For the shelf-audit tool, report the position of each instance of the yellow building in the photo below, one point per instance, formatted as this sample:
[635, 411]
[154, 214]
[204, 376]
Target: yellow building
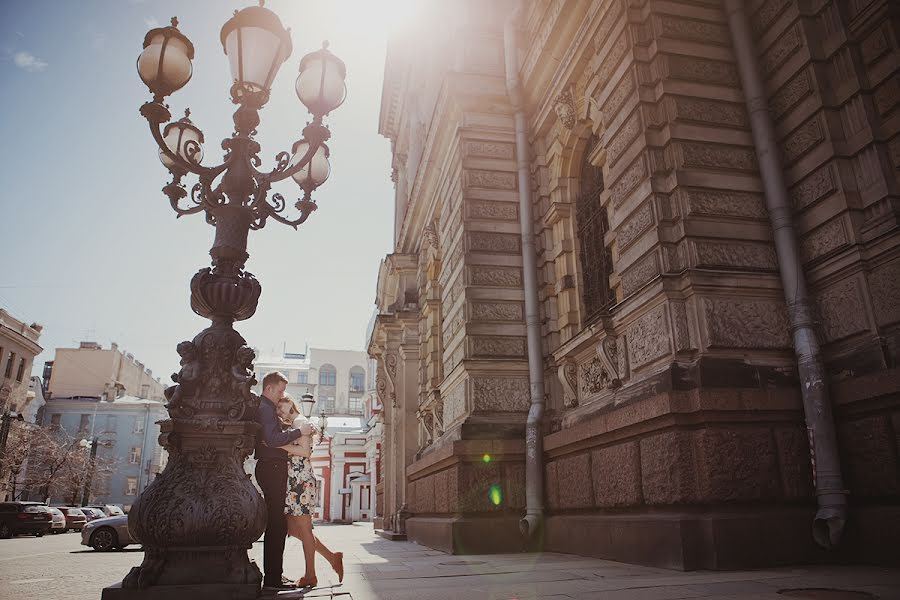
[92, 371]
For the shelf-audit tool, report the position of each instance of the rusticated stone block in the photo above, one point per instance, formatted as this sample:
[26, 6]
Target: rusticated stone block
[884, 285]
[793, 462]
[424, 495]
[475, 481]
[616, 473]
[411, 494]
[736, 465]
[870, 461]
[574, 474]
[668, 474]
[551, 485]
[441, 495]
[514, 485]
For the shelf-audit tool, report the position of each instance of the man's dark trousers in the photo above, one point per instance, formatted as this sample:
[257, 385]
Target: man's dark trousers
[272, 477]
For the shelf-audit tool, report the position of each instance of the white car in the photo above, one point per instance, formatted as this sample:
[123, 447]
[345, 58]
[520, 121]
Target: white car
[58, 524]
[109, 533]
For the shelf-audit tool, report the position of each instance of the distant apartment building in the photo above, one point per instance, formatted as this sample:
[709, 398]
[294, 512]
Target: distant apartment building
[91, 370]
[108, 397]
[126, 433]
[18, 347]
[336, 378]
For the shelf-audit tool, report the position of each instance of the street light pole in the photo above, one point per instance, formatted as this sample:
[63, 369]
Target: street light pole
[86, 493]
[197, 519]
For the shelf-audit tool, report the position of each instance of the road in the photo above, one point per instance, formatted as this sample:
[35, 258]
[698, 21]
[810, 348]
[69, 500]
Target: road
[58, 566]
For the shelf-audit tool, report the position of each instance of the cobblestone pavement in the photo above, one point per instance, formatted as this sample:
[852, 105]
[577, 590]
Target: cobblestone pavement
[58, 567]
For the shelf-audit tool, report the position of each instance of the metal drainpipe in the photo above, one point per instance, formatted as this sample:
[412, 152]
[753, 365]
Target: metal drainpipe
[831, 495]
[534, 460]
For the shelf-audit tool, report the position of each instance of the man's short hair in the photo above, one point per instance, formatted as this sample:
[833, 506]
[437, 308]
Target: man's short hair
[274, 378]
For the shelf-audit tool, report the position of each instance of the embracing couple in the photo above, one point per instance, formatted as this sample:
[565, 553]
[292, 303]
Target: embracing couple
[285, 474]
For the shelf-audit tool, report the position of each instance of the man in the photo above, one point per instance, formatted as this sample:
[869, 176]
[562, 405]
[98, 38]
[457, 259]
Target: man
[272, 474]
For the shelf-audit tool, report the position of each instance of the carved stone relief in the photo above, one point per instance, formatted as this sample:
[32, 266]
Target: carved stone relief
[496, 276]
[741, 256]
[634, 226]
[630, 179]
[507, 394]
[818, 185]
[884, 286]
[496, 180]
[568, 378]
[487, 149]
[496, 346]
[703, 70]
[710, 156]
[680, 330]
[497, 311]
[802, 140]
[791, 94]
[564, 106]
[724, 202]
[761, 324]
[483, 209]
[842, 310]
[823, 240]
[648, 338]
[641, 272]
[455, 404]
[781, 50]
[485, 241]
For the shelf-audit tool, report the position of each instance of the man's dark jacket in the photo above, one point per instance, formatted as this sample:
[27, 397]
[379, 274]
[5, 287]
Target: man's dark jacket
[271, 436]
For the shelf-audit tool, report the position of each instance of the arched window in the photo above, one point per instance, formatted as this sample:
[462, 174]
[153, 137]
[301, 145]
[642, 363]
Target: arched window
[327, 375]
[592, 224]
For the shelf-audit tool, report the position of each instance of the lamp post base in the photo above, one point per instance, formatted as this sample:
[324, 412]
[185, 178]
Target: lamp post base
[211, 591]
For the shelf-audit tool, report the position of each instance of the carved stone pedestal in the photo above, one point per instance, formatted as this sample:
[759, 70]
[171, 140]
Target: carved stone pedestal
[197, 520]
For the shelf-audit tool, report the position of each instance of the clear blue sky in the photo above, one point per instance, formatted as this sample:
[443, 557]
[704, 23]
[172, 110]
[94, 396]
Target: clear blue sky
[91, 248]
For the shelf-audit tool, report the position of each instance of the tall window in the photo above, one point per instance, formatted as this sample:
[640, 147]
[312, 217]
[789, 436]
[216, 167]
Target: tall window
[138, 425]
[84, 424]
[21, 372]
[54, 420]
[302, 377]
[356, 405]
[592, 223]
[357, 380]
[9, 365]
[327, 375]
[134, 457]
[131, 487]
[326, 404]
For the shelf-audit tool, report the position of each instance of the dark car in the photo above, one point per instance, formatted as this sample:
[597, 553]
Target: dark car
[24, 517]
[75, 519]
[91, 513]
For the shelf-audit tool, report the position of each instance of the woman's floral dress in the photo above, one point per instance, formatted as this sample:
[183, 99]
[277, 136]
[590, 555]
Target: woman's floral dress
[301, 493]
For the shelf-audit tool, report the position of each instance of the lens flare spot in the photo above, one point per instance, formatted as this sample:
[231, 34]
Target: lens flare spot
[486, 458]
[495, 495]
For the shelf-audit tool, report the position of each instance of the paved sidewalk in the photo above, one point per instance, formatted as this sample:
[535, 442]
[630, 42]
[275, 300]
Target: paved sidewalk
[377, 569]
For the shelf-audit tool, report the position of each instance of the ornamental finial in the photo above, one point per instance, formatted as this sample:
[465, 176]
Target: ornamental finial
[325, 44]
[187, 113]
[174, 22]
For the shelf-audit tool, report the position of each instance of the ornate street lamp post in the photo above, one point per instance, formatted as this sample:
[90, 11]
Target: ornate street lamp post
[201, 514]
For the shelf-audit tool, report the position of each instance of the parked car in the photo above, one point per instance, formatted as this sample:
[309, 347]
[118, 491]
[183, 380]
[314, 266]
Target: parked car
[93, 513]
[24, 517]
[110, 510]
[75, 519]
[107, 534]
[58, 522]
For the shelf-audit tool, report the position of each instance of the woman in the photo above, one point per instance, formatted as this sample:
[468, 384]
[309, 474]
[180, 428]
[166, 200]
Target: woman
[301, 495]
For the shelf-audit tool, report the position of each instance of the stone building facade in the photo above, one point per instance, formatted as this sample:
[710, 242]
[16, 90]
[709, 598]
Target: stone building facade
[91, 370]
[674, 433]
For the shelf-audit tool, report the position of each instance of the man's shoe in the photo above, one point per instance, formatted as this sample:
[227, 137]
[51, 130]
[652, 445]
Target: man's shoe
[286, 584]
